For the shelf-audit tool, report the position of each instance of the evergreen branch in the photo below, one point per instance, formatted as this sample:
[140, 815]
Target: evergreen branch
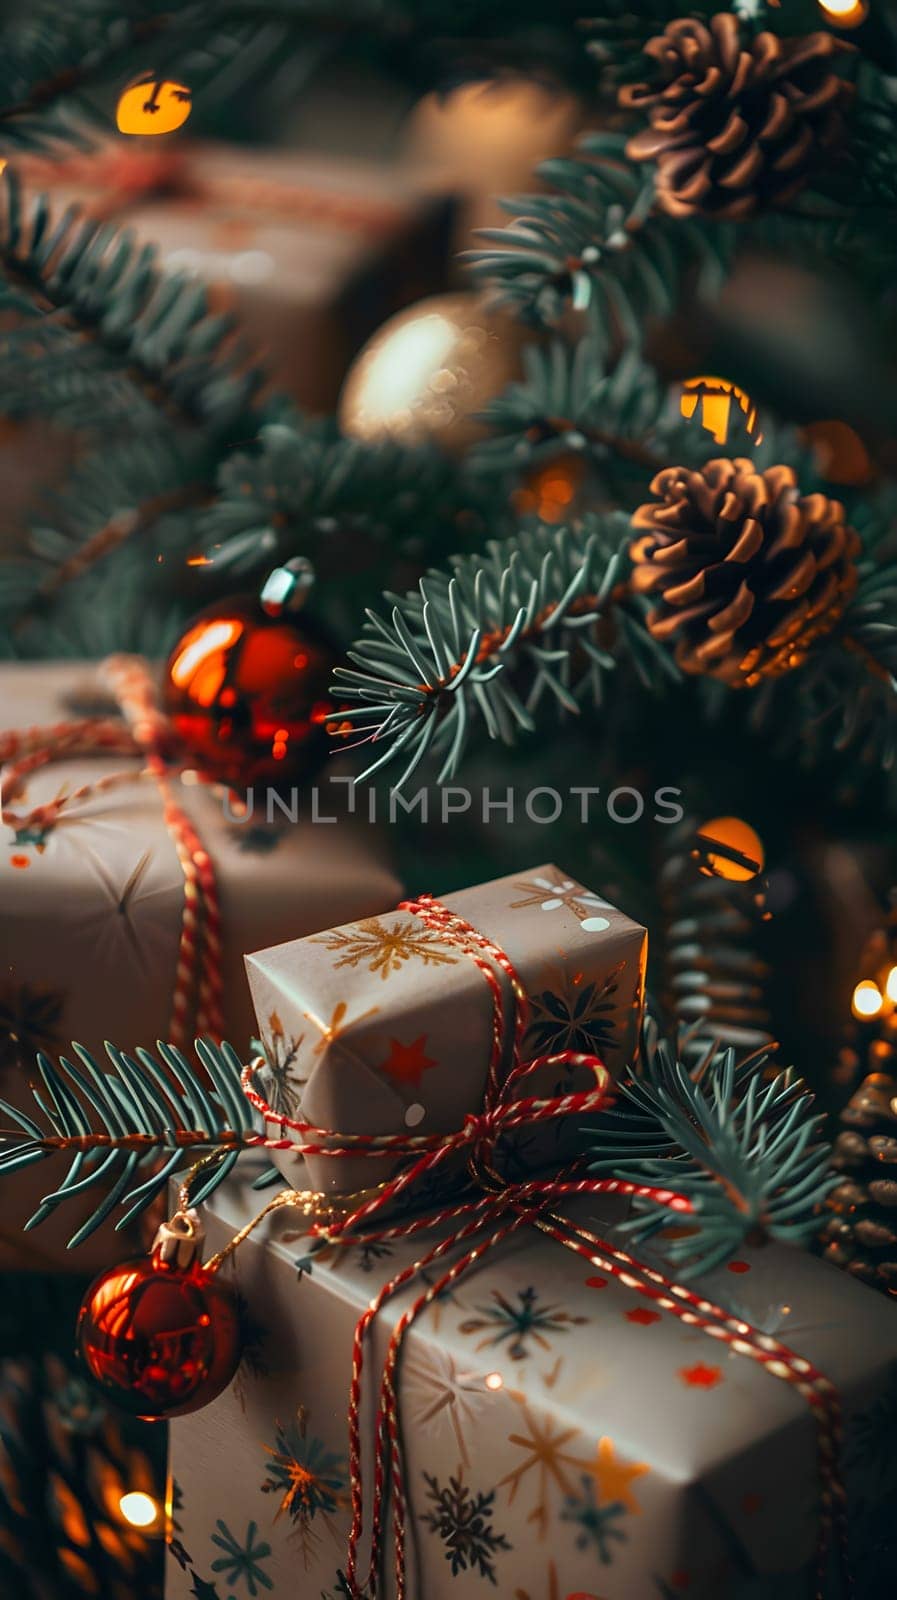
[844, 699]
[619, 415]
[301, 487]
[123, 525]
[487, 641]
[745, 1148]
[104, 35]
[595, 244]
[144, 1114]
[153, 327]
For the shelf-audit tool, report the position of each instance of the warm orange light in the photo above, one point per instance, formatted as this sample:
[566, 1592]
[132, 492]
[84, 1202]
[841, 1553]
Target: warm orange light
[549, 491]
[715, 396]
[867, 999]
[845, 13]
[891, 985]
[153, 105]
[731, 834]
[139, 1509]
[840, 452]
[199, 650]
[495, 1381]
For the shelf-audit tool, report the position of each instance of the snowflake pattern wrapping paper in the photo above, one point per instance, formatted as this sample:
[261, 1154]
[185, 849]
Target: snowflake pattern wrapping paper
[557, 1445]
[380, 1026]
[90, 913]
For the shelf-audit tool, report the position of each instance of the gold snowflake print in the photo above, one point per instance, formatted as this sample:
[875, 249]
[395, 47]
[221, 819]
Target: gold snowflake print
[547, 1457]
[383, 948]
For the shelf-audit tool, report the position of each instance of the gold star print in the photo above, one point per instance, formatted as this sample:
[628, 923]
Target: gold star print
[407, 1063]
[613, 1476]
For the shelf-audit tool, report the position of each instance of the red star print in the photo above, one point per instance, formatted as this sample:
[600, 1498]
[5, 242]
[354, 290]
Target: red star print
[596, 1283]
[739, 1266]
[642, 1316]
[701, 1376]
[407, 1063]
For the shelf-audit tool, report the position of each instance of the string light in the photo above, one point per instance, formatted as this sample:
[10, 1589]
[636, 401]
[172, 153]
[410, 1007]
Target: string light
[730, 848]
[845, 13]
[139, 1509]
[867, 999]
[153, 105]
[494, 1381]
[891, 985]
[715, 396]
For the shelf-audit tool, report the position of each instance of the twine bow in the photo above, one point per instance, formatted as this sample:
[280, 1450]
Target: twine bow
[499, 1207]
[145, 732]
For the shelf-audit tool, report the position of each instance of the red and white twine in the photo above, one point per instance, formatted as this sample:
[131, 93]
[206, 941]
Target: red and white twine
[477, 1225]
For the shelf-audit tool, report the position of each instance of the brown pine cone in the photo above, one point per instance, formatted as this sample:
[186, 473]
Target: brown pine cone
[745, 571]
[736, 124]
[860, 1228]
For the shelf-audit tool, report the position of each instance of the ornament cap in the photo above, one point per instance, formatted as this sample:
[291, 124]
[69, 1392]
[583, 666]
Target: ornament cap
[287, 587]
[179, 1241]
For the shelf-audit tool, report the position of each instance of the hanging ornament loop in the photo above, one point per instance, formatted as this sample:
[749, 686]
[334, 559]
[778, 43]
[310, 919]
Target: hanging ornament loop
[493, 1208]
[178, 1242]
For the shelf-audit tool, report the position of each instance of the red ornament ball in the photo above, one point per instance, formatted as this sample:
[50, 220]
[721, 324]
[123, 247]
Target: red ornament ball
[160, 1339]
[248, 693]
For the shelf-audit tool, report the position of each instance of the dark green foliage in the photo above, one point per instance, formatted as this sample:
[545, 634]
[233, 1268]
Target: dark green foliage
[152, 328]
[490, 640]
[136, 1122]
[593, 243]
[745, 1149]
[618, 414]
[366, 516]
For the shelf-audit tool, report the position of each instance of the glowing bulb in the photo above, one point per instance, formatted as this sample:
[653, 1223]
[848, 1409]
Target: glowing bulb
[891, 985]
[138, 1508]
[494, 1381]
[715, 396]
[867, 999]
[720, 837]
[845, 13]
[153, 105]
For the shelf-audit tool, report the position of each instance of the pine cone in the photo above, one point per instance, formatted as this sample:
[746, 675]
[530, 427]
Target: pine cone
[860, 1232]
[736, 124]
[745, 570]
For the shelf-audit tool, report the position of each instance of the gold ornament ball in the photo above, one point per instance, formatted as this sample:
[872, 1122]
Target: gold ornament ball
[428, 372]
[484, 139]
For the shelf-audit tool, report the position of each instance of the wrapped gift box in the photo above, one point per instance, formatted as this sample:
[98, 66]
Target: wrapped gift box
[380, 1025]
[563, 1440]
[312, 253]
[90, 916]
